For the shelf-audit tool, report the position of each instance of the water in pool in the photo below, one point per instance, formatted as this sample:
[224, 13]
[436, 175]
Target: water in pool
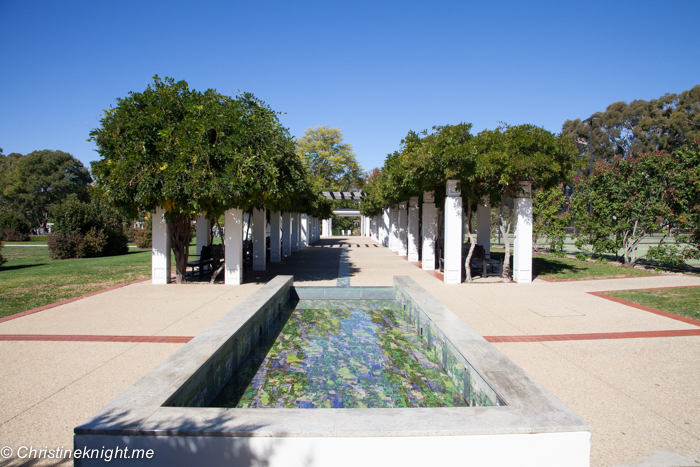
[341, 357]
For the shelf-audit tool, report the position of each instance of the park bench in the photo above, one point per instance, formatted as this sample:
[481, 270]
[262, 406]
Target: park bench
[205, 259]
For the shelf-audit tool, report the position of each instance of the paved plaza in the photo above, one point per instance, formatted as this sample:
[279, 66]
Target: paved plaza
[632, 374]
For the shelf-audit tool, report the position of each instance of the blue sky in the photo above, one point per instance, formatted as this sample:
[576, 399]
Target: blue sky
[373, 69]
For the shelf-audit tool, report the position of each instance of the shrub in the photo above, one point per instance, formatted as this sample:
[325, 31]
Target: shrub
[65, 246]
[580, 257]
[13, 226]
[143, 238]
[12, 235]
[2, 260]
[94, 242]
[88, 229]
[12, 220]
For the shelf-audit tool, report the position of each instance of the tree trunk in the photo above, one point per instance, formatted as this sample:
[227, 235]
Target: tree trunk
[472, 243]
[216, 273]
[505, 274]
[180, 230]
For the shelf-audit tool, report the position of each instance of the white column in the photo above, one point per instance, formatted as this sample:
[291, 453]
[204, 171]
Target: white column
[295, 232]
[384, 227]
[160, 252]
[402, 229]
[305, 234]
[259, 240]
[428, 230]
[453, 234]
[393, 228]
[233, 241]
[522, 239]
[203, 232]
[275, 235]
[286, 234]
[247, 231]
[412, 232]
[483, 226]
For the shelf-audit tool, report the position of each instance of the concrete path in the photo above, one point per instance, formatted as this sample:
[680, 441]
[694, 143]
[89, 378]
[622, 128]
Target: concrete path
[640, 394]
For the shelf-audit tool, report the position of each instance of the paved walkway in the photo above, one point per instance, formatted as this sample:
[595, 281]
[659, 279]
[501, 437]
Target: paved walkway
[632, 374]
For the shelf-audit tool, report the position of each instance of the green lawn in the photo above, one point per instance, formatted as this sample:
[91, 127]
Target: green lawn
[30, 278]
[560, 269]
[683, 301]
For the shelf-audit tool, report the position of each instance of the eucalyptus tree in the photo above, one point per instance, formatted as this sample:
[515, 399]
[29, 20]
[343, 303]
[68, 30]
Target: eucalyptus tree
[509, 155]
[667, 123]
[193, 152]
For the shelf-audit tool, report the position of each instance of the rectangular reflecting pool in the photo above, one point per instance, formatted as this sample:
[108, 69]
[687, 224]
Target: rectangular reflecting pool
[342, 376]
[342, 354]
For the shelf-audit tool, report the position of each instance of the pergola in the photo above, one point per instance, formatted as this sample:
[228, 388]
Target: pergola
[396, 228]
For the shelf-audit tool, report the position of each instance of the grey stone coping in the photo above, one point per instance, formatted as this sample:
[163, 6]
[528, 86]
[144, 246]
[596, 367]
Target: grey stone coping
[140, 410]
[345, 293]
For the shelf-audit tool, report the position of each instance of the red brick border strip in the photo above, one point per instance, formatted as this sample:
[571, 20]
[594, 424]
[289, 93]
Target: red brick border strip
[69, 300]
[596, 279]
[646, 308]
[595, 336]
[95, 338]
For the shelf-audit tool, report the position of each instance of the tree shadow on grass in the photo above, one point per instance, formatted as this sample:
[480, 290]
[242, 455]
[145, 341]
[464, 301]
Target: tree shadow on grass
[543, 266]
[20, 266]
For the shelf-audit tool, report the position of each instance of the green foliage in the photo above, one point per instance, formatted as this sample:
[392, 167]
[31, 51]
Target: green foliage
[87, 230]
[2, 260]
[10, 219]
[667, 123]
[30, 184]
[331, 163]
[550, 217]
[675, 255]
[636, 196]
[193, 152]
[580, 257]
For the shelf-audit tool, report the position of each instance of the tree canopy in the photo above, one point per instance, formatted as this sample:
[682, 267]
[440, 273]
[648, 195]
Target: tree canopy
[193, 152]
[665, 124]
[30, 184]
[492, 163]
[635, 196]
[331, 163]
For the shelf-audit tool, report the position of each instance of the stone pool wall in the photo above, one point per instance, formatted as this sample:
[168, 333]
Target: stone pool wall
[530, 428]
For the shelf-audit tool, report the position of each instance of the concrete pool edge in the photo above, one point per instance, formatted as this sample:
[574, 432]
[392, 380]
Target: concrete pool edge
[140, 413]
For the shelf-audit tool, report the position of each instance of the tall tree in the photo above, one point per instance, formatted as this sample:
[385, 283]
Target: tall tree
[664, 124]
[30, 184]
[193, 152]
[331, 162]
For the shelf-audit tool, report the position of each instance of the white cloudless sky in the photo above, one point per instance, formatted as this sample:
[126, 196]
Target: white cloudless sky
[373, 69]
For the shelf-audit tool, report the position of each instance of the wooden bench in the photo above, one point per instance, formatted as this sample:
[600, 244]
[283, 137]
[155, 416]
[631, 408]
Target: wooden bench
[205, 259]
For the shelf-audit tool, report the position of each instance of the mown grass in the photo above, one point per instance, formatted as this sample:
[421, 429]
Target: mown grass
[683, 301]
[562, 269]
[30, 278]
